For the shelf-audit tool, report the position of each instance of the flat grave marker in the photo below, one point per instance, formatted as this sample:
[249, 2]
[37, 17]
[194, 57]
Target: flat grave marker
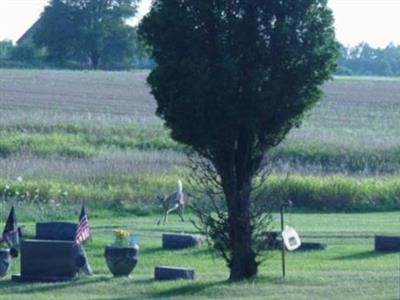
[173, 273]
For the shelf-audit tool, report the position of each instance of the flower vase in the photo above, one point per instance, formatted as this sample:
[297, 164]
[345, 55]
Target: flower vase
[121, 260]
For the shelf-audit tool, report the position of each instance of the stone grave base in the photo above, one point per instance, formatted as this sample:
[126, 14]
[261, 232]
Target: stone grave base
[172, 273]
[21, 278]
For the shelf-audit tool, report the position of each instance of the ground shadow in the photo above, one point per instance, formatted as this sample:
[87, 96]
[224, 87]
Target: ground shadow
[5, 284]
[159, 229]
[31, 287]
[196, 251]
[362, 255]
[187, 289]
[151, 250]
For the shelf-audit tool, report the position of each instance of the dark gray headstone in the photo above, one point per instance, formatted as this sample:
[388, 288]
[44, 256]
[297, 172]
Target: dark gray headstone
[61, 231]
[47, 260]
[172, 273]
[180, 241]
[387, 243]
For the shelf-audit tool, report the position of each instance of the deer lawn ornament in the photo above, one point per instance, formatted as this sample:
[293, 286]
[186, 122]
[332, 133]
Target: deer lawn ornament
[171, 203]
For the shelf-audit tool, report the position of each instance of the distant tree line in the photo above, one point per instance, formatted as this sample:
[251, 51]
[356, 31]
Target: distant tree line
[80, 34]
[366, 60]
[83, 34]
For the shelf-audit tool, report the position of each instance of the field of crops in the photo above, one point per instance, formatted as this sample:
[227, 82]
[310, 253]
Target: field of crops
[95, 135]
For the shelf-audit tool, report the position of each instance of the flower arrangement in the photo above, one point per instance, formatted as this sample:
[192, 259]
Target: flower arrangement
[122, 255]
[121, 237]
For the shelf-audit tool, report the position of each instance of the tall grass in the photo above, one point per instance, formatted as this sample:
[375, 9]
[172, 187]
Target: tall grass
[335, 193]
[74, 140]
[320, 159]
[113, 190]
[330, 193]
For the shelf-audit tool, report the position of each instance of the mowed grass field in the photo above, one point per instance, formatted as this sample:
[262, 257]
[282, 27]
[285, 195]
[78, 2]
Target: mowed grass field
[93, 136]
[347, 269]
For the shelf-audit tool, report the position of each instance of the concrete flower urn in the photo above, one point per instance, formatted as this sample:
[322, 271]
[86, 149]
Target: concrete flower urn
[121, 260]
[5, 260]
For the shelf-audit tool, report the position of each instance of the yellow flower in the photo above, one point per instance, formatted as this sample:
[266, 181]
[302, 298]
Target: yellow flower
[121, 233]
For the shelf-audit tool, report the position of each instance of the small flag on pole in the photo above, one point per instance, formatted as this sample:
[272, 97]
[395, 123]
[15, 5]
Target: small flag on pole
[83, 231]
[10, 232]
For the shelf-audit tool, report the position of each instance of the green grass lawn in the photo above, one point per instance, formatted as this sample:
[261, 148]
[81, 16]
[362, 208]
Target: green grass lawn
[348, 269]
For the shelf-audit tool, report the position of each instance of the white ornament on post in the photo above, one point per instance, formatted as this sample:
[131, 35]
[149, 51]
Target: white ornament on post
[290, 238]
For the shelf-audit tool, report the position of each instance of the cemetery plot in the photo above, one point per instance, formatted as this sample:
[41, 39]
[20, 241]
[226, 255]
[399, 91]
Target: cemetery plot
[348, 268]
[53, 255]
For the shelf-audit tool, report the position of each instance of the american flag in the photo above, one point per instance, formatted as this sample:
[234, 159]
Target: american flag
[83, 231]
[10, 232]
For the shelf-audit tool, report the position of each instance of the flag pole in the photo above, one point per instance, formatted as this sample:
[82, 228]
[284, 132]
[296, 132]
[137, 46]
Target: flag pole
[3, 202]
[283, 205]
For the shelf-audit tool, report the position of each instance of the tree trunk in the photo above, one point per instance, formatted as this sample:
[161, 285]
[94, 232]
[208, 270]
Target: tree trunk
[94, 58]
[243, 261]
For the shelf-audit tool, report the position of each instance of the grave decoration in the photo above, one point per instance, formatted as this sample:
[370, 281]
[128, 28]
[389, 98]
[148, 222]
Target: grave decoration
[9, 242]
[290, 238]
[10, 234]
[122, 255]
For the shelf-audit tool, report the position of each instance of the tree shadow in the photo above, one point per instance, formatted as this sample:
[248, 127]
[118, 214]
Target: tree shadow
[195, 250]
[168, 230]
[32, 287]
[152, 250]
[187, 289]
[362, 255]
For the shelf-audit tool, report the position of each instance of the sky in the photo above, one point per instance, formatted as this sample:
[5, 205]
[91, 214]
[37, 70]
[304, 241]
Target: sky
[376, 22]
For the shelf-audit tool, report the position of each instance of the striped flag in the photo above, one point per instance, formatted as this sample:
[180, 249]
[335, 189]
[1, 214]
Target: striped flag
[10, 232]
[83, 231]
